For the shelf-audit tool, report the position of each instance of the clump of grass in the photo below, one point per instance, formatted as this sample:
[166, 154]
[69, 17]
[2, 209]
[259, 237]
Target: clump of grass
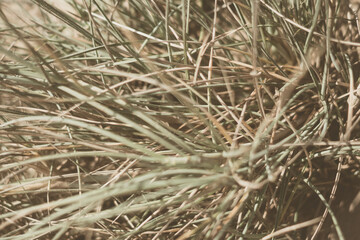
[178, 119]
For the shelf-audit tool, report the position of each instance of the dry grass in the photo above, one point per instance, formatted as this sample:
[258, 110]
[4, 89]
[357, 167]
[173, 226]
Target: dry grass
[179, 119]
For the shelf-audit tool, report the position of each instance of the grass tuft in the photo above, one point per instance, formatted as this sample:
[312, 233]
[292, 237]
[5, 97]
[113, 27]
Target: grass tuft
[178, 119]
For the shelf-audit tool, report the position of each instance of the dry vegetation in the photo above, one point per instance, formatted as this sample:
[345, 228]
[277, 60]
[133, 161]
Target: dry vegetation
[179, 119]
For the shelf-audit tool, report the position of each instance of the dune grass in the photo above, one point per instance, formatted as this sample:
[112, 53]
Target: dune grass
[178, 119]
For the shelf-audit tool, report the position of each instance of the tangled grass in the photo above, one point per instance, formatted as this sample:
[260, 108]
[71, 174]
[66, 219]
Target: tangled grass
[179, 119]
